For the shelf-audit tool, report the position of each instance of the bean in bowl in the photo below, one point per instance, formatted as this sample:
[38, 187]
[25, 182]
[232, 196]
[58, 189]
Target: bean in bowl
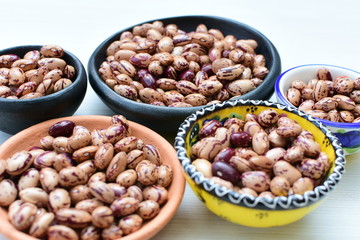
[36, 74]
[336, 100]
[265, 155]
[163, 65]
[85, 184]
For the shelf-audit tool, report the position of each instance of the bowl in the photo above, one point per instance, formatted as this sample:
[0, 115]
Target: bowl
[165, 119]
[18, 114]
[248, 210]
[348, 133]
[30, 137]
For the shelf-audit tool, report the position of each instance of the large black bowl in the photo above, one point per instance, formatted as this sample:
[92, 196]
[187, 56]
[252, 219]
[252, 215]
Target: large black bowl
[168, 119]
[18, 114]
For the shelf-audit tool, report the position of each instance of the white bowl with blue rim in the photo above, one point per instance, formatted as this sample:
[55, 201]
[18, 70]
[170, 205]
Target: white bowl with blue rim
[347, 133]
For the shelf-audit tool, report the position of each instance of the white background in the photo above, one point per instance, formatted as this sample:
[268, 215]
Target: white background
[302, 31]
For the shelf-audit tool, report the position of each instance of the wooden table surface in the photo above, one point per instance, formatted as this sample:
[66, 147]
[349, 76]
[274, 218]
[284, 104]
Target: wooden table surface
[303, 32]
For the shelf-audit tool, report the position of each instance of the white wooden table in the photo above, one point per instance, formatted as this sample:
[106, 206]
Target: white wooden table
[303, 32]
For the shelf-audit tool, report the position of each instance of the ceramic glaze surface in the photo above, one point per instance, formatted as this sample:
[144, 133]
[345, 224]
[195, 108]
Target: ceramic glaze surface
[248, 210]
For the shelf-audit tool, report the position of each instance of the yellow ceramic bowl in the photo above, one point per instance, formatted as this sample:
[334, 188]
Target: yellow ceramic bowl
[248, 210]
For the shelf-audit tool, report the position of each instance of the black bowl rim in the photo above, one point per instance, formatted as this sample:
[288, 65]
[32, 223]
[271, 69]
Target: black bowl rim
[80, 74]
[279, 202]
[286, 102]
[94, 77]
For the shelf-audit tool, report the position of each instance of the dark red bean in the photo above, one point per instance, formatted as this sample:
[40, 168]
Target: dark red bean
[241, 139]
[225, 154]
[209, 128]
[170, 72]
[187, 75]
[148, 81]
[208, 69]
[225, 171]
[63, 128]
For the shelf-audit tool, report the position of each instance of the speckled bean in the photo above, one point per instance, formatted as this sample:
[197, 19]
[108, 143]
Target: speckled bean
[18, 163]
[127, 178]
[88, 205]
[61, 232]
[102, 191]
[102, 217]
[130, 223]
[58, 199]
[259, 181]
[311, 148]
[30, 178]
[311, 168]
[146, 172]
[23, 216]
[152, 154]
[260, 142]
[112, 232]
[156, 193]
[90, 233]
[8, 192]
[72, 176]
[116, 166]
[286, 170]
[84, 153]
[124, 206]
[73, 217]
[79, 193]
[302, 185]
[148, 209]
[34, 195]
[49, 179]
[41, 224]
[279, 186]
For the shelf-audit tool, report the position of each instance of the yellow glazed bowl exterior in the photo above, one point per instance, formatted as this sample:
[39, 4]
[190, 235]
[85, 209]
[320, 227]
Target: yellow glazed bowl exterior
[247, 210]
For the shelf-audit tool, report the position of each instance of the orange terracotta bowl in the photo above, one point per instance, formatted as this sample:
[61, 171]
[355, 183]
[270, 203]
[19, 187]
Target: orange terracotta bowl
[30, 137]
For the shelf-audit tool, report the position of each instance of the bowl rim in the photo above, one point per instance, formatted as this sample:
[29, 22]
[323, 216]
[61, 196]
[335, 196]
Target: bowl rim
[168, 210]
[80, 74]
[94, 77]
[279, 202]
[283, 99]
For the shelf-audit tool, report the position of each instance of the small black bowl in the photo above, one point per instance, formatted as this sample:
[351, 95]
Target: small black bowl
[168, 119]
[18, 114]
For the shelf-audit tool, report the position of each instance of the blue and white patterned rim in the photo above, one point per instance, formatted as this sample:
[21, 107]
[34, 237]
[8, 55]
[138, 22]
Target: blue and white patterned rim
[280, 202]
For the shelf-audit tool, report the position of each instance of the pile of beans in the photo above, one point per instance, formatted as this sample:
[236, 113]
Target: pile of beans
[165, 66]
[36, 74]
[336, 100]
[84, 184]
[267, 155]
